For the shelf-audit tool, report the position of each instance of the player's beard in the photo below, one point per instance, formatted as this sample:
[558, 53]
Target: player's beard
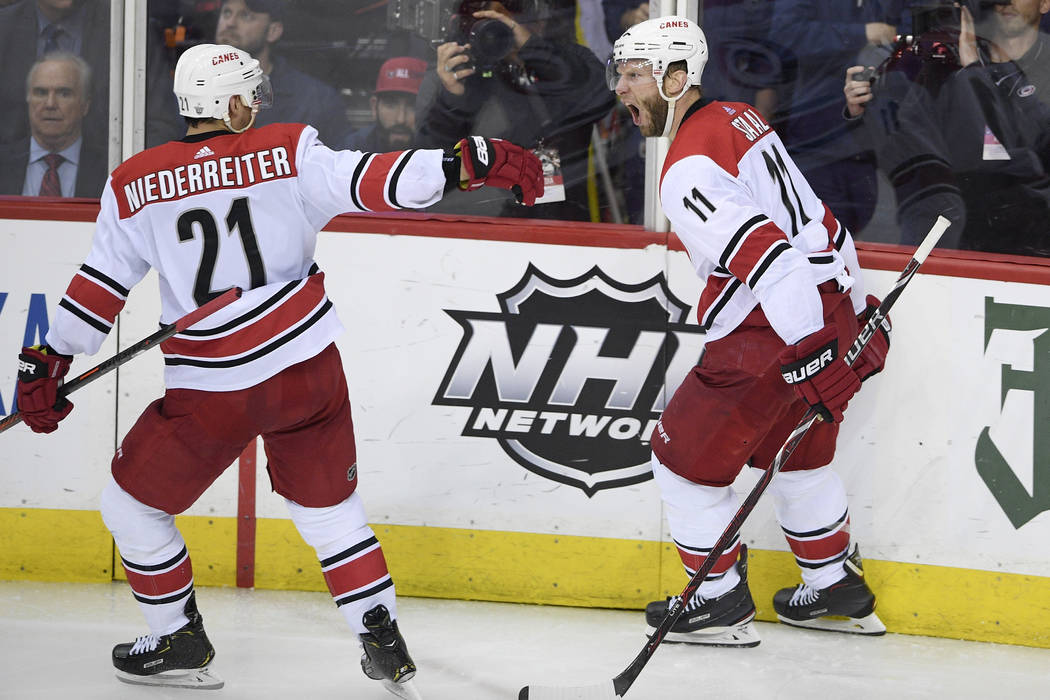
[656, 109]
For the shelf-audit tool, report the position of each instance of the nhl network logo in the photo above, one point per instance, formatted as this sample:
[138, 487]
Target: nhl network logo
[569, 377]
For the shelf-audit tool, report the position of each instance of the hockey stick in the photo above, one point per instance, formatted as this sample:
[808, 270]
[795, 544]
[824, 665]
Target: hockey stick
[224, 299]
[618, 686]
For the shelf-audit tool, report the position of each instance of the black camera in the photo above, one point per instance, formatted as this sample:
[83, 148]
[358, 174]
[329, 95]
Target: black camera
[439, 21]
[867, 74]
[490, 40]
[425, 18]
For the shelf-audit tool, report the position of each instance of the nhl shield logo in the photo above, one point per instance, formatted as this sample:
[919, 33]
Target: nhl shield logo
[569, 377]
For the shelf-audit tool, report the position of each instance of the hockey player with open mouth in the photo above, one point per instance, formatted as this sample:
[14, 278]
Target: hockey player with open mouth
[231, 206]
[782, 301]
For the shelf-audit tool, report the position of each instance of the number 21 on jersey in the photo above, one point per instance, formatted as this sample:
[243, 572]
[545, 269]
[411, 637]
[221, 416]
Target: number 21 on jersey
[238, 218]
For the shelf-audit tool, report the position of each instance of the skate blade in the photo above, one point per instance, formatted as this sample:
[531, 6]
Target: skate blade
[737, 636]
[195, 678]
[869, 625]
[405, 690]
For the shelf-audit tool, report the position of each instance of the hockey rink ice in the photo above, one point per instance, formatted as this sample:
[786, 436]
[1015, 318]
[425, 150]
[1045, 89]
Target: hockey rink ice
[55, 641]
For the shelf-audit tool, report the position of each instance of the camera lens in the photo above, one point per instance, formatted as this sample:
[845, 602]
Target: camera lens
[491, 40]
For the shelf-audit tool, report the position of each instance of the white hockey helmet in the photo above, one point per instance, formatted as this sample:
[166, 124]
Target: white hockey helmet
[207, 75]
[659, 42]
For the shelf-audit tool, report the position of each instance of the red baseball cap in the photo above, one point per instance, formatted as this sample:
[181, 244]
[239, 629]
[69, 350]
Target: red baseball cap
[401, 74]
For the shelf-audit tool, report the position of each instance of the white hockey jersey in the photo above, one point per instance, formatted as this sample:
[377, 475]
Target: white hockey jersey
[753, 227]
[219, 210]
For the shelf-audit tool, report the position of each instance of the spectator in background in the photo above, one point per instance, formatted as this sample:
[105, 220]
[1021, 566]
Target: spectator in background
[533, 91]
[393, 107]
[818, 38]
[31, 28]
[621, 15]
[256, 26]
[54, 160]
[965, 131]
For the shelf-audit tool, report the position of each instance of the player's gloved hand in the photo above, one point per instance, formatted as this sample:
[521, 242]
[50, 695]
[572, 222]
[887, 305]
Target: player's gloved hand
[499, 163]
[816, 371]
[40, 372]
[873, 357]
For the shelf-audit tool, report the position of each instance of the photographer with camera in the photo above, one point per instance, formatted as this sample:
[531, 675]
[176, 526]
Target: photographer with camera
[498, 75]
[962, 123]
[815, 39]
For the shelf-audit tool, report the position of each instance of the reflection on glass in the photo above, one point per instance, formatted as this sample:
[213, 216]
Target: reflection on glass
[898, 112]
[955, 120]
[511, 70]
[54, 83]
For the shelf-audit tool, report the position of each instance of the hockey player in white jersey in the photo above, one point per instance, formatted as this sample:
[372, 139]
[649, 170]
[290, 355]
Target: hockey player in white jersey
[231, 205]
[782, 301]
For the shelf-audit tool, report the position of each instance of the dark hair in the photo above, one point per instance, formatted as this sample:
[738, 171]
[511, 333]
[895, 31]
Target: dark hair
[676, 65]
[682, 66]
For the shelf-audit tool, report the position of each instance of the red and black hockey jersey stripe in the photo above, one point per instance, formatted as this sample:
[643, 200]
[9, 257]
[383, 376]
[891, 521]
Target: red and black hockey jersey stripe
[753, 228]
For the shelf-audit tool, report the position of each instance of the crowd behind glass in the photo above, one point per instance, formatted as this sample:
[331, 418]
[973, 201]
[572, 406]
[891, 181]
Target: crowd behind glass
[896, 110]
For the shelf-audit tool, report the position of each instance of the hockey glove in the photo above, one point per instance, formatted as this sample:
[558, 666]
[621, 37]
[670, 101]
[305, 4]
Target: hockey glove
[499, 163]
[40, 372]
[872, 358]
[816, 371]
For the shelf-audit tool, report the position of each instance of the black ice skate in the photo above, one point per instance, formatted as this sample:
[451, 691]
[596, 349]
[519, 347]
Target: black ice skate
[385, 657]
[847, 605]
[178, 660]
[724, 621]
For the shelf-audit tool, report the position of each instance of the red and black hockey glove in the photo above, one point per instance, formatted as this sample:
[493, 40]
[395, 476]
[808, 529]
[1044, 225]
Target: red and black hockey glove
[499, 163]
[872, 358]
[816, 371]
[40, 372]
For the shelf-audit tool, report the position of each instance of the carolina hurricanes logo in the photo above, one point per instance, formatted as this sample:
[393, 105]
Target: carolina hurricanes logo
[223, 58]
[569, 377]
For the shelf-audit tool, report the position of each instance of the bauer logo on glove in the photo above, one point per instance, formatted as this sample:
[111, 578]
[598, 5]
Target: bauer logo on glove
[801, 371]
[40, 373]
[481, 150]
[499, 163]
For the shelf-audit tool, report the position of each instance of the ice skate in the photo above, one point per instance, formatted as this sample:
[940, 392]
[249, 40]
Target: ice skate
[181, 659]
[725, 621]
[385, 656]
[847, 605]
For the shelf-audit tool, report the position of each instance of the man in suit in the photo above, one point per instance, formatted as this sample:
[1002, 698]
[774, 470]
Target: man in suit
[55, 161]
[31, 28]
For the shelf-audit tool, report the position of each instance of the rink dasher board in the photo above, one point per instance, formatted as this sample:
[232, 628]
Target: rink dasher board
[909, 453]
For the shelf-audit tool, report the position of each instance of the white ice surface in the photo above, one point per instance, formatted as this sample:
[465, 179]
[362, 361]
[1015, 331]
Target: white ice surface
[55, 641]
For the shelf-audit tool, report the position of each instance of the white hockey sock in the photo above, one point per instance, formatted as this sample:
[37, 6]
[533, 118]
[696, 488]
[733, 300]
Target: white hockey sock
[351, 558]
[813, 512]
[154, 557]
[697, 515]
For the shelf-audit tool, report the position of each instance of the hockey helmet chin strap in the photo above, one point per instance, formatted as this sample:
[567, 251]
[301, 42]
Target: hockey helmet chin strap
[671, 102]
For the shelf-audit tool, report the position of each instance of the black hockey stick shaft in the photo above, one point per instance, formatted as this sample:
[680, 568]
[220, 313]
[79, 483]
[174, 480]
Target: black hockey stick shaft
[624, 681]
[107, 366]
